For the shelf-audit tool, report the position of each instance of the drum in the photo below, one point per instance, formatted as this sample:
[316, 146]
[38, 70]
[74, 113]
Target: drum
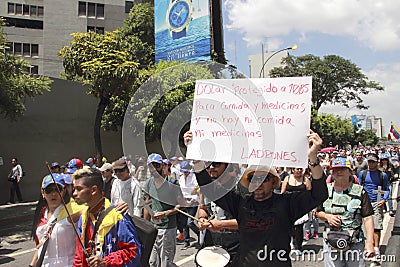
[212, 257]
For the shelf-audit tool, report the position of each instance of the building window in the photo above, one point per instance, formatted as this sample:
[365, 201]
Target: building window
[18, 49]
[18, 9]
[99, 30]
[25, 10]
[11, 8]
[9, 47]
[100, 11]
[34, 50]
[128, 6]
[91, 10]
[34, 69]
[33, 11]
[40, 11]
[82, 9]
[26, 50]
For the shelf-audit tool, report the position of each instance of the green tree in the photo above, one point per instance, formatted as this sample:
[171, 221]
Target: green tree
[15, 83]
[335, 80]
[333, 130]
[110, 64]
[336, 131]
[365, 137]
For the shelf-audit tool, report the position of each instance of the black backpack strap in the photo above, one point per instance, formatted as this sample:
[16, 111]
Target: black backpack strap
[363, 176]
[103, 214]
[45, 244]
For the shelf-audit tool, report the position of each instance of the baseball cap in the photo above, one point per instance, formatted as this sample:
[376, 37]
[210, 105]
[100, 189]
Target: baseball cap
[73, 165]
[119, 164]
[48, 180]
[341, 163]
[372, 157]
[106, 166]
[385, 156]
[166, 161]
[154, 158]
[185, 166]
[67, 178]
[90, 160]
[335, 152]
[55, 164]
[174, 158]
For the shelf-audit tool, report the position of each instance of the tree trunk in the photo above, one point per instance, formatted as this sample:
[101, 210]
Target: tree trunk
[104, 101]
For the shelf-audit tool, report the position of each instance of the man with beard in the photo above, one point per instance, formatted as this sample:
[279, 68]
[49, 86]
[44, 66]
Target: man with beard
[264, 218]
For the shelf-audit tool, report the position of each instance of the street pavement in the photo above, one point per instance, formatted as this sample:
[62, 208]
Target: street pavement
[16, 248]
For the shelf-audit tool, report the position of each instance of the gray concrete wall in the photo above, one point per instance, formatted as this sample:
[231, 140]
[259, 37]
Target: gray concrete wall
[57, 126]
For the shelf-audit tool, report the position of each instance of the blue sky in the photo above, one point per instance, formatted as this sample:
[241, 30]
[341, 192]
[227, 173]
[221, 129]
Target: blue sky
[365, 32]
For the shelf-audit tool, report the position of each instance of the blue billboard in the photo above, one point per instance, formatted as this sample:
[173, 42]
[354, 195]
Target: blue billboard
[182, 30]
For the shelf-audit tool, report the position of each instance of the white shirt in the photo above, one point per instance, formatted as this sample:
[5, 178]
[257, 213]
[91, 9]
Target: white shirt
[61, 248]
[127, 191]
[188, 184]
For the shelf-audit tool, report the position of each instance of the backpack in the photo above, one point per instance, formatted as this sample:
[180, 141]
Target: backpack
[364, 175]
[147, 235]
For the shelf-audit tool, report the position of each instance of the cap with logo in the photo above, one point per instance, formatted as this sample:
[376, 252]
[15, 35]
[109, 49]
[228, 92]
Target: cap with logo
[48, 180]
[55, 164]
[341, 163]
[185, 166]
[67, 178]
[73, 165]
[154, 158]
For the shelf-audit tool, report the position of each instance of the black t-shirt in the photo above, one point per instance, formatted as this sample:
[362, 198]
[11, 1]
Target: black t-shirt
[264, 226]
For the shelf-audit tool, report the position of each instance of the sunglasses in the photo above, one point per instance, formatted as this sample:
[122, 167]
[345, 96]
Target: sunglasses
[214, 164]
[260, 178]
[48, 190]
[119, 170]
[156, 165]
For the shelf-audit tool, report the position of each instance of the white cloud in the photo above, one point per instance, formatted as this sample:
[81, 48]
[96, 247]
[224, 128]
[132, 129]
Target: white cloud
[375, 23]
[383, 104]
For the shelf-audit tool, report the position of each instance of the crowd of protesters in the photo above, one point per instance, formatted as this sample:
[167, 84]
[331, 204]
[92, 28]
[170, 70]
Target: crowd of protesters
[168, 192]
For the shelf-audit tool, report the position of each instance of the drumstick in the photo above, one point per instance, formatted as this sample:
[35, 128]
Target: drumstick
[188, 215]
[212, 217]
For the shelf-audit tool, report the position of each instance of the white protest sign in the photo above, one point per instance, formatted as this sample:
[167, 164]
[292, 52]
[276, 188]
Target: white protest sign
[252, 121]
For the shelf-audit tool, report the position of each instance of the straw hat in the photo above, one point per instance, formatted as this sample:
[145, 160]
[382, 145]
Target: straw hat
[251, 170]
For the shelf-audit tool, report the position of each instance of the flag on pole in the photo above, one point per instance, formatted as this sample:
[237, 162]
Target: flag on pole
[394, 131]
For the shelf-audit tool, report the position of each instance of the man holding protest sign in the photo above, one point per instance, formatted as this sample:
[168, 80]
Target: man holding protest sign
[257, 122]
[264, 217]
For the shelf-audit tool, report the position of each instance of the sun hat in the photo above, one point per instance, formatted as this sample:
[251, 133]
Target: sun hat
[251, 170]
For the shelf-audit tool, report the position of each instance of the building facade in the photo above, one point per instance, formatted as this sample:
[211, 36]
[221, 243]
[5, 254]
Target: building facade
[268, 59]
[38, 29]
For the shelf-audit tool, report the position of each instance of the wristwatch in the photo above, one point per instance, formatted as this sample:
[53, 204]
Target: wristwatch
[179, 15]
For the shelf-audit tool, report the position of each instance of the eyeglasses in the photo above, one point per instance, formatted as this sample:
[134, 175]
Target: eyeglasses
[156, 165]
[260, 178]
[50, 189]
[213, 163]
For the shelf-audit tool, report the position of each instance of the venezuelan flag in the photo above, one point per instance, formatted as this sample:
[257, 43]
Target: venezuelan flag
[394, 130]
